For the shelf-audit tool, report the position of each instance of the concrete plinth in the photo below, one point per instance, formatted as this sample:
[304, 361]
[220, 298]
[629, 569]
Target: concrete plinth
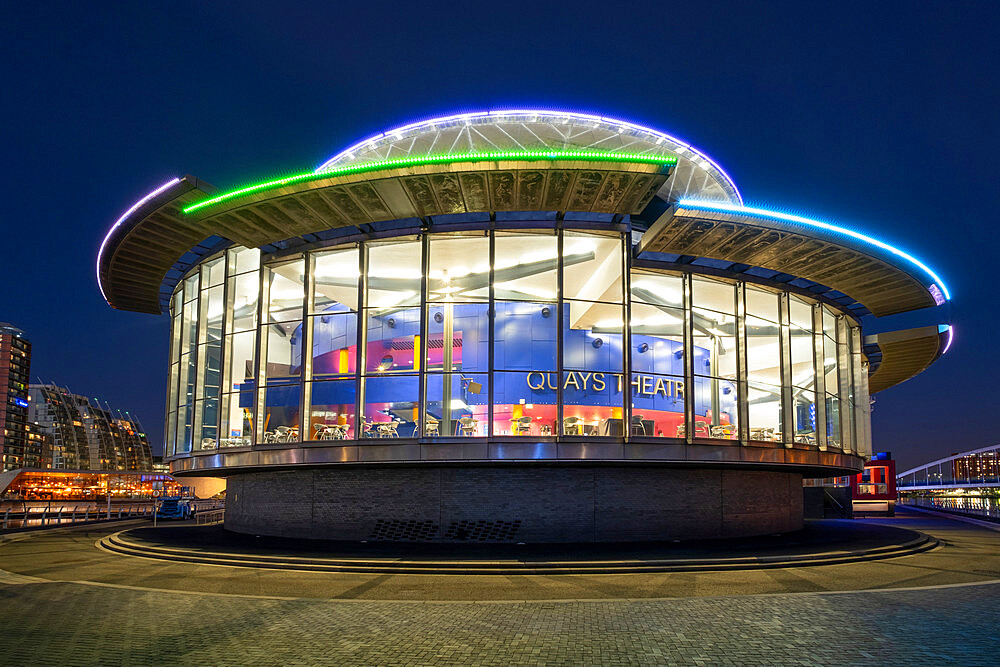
[514, 503]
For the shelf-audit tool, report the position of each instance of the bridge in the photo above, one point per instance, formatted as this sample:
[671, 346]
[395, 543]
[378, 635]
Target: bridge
[977, 468]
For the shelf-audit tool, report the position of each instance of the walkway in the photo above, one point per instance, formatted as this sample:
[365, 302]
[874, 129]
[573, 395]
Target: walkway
[716, 618]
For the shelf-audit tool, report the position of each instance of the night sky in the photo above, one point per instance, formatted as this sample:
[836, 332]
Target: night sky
[882, 117]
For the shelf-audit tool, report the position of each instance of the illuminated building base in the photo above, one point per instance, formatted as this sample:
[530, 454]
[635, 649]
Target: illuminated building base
[514, 503]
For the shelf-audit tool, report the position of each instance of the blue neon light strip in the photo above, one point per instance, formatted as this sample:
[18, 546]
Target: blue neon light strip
[723, 207]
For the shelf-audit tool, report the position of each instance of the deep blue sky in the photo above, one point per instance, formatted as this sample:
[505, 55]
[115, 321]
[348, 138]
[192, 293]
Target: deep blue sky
[880, 116]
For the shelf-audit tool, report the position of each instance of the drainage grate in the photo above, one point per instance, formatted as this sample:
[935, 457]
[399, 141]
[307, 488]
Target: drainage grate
[393, 530]
[483, 531]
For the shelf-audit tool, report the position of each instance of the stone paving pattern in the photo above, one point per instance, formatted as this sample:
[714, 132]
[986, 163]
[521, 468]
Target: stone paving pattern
[63, 602]
[72, 624]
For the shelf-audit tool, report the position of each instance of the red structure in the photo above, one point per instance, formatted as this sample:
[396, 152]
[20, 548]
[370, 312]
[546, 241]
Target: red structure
[873, 490]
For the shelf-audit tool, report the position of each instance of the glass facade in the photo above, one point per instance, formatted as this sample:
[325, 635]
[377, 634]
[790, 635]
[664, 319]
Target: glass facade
[505, 334]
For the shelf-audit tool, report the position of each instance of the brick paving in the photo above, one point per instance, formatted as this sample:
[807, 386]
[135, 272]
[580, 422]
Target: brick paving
[63, 623]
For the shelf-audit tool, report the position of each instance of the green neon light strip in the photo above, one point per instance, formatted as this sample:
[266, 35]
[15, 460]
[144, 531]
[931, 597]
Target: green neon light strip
[589, 156]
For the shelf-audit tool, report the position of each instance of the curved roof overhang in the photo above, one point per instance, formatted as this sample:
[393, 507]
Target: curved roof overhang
[906, 353]
[146, 241]
[152, 236]
[884, 282]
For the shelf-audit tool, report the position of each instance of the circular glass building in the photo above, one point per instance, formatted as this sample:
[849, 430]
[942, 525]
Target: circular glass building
[514, 326]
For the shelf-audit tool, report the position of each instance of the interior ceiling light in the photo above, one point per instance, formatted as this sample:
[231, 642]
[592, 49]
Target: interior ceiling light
[400, 163]
[937, 288]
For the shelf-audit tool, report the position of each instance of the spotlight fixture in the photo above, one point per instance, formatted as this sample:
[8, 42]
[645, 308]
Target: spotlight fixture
[598, 342]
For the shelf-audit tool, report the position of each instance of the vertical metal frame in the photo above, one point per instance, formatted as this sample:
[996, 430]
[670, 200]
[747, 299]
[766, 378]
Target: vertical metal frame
[196, 358]
[560, 322]
[819, 368]
[844, 380]
[362, 336]
[259, 393]
[420, 355]
[626, 251]
[742, 374]
[688, 295]
[785, 340]
[305, 379]
[201, 345]
[227, 320]
[491, 335]
[174, 363]
[862, 409]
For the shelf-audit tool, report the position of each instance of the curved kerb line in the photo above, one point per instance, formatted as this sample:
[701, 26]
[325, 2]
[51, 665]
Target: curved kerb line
[588, 156]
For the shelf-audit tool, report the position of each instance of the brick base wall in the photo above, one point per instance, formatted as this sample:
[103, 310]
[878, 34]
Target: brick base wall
[513, 503]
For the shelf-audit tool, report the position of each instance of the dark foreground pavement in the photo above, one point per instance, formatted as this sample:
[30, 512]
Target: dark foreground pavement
[48, 615]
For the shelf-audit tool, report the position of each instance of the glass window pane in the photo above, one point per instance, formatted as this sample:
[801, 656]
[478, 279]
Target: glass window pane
[189, 334]
[213, 272]
[763, 351]
[713, 295]
[237, 420]
[829, 323]
[468, 326]
[335, 275]
[525, 402]
[209, 363]
[191, 287]
[714, 343]
[281, 414]
[188, 375]
[803, 357]
[241, 360]
[393, 340]
[657, 288]
[394, 274]
[242, 260]
[176, 322]
[804, 401]
[762, 303]
[184, 418]
[592, 336]
[334, 345]
[764, 411]
[657, 405]
[525, 266]
[800, 313]
[657, 339]
[331, 416]
[457, 404]
[830, 365]
[592, 267]
[211, 314]
[168, 444]
[459, 268]
[286, 291]
[208, 418]
[391, 406]
[283, 352]
[243, 294]
[525, 336]
[715, 411]
[833, 421]
[592, 402]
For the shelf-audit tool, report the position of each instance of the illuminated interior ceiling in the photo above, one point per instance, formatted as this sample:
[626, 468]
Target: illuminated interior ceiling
[696, 174]
[906, 354]
[883, 282]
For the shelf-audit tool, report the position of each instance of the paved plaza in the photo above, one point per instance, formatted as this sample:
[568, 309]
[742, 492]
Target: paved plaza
[60, 604]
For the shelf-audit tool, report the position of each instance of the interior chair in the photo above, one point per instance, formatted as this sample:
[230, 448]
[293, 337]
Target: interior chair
[467, 425]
